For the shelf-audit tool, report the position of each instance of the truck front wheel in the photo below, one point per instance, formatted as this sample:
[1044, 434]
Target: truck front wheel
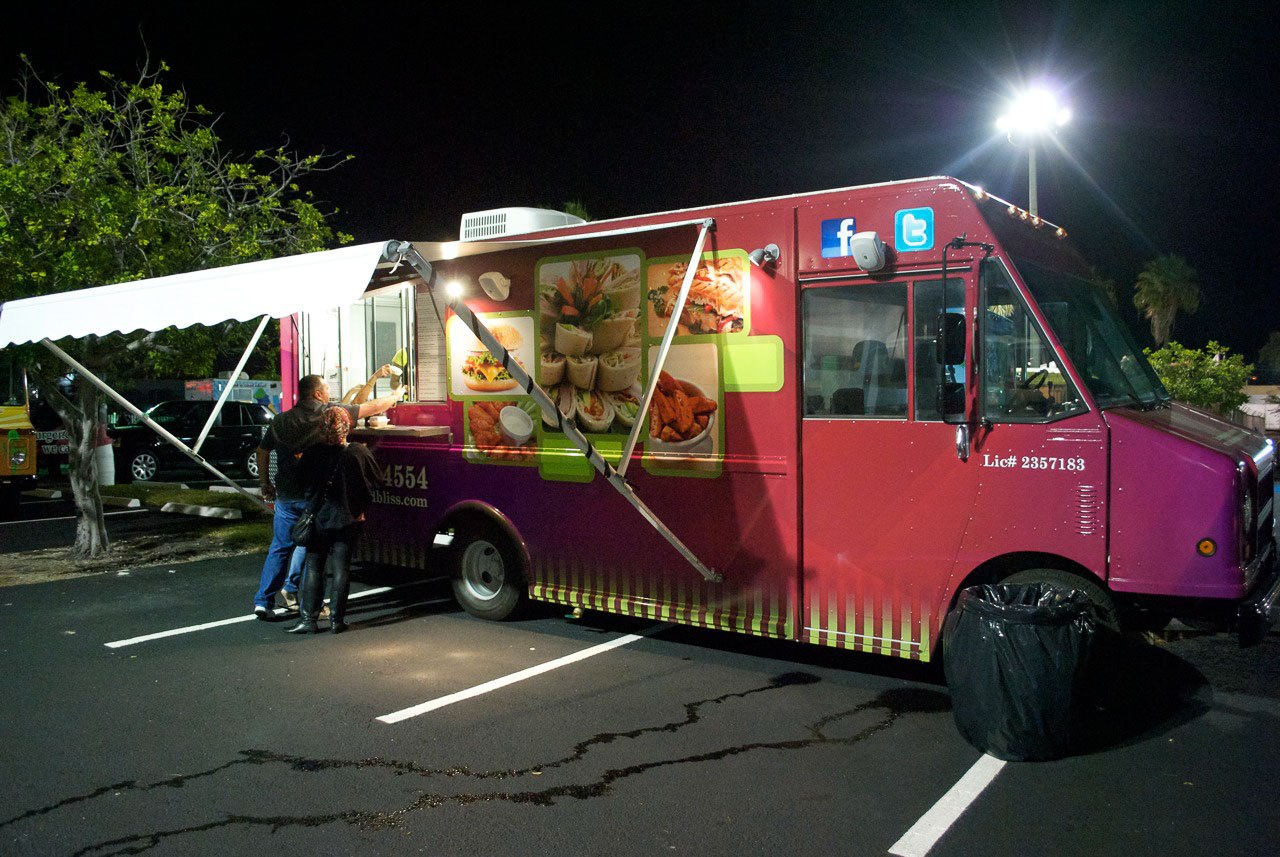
[1108, 616]
[485, 571]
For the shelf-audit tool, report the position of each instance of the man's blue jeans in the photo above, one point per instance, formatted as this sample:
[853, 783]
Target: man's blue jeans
[278, 566]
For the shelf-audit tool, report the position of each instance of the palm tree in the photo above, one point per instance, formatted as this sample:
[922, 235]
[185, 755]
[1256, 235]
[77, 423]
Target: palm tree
[1166, 287]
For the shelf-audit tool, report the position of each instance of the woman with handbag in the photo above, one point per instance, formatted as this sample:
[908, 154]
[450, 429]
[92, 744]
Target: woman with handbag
[342, 478]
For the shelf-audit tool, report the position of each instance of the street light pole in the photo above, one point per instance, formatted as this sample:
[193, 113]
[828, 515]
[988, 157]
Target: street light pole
[1031, 115]
[1031, 177]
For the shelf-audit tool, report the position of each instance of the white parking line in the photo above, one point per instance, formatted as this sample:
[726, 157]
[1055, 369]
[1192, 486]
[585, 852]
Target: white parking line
[71, 517]
[497, 683]
[190, 629]
[926, 832]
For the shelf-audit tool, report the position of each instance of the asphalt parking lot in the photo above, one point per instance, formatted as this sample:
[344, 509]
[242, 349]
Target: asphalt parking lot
[424, 730]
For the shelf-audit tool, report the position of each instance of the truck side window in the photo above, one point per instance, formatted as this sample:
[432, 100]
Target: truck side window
[1021, 379]
[926, 306]
[855, 351]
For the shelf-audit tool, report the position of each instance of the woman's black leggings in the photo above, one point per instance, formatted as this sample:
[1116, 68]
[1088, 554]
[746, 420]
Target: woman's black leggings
[332, 554]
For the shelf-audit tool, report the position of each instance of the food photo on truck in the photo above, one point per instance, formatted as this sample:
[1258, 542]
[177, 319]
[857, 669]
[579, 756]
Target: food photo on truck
[816, 418]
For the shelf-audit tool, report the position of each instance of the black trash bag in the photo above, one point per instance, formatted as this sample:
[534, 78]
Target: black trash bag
[1016, 658]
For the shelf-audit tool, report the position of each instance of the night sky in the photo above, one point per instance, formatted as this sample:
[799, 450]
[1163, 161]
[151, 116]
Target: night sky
[643, 107]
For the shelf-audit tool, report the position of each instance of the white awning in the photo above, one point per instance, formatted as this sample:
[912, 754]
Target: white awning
[310, 282]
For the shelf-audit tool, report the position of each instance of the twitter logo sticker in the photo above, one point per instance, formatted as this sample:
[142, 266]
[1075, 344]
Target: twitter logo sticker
[913, 230]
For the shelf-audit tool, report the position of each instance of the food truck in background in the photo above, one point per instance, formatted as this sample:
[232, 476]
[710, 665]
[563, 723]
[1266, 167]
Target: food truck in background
[870, 399]
[18, 456]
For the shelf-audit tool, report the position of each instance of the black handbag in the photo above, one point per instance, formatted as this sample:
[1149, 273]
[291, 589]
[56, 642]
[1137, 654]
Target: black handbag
[303, 531]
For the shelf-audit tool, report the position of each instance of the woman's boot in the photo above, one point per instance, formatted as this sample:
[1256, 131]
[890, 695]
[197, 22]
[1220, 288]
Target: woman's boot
[337, 611]
[306, 626]
[312, 596]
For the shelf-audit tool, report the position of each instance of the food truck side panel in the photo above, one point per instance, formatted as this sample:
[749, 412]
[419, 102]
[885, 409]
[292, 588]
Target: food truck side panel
[729, 492]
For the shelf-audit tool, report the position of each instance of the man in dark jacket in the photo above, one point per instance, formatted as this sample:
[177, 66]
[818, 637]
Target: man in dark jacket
[290, 434]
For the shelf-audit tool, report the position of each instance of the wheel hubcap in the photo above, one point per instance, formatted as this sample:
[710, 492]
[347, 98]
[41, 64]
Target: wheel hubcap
[252, 467]
[483, 571]
[143, 467]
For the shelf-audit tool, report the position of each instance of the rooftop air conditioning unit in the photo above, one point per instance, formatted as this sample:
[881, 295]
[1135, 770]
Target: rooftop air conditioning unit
[499, 222]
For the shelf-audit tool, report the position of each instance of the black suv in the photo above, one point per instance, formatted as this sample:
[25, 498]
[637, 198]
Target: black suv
[143, 454]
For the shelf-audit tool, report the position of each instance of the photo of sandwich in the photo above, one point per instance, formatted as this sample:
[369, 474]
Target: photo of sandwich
[474, 372]
[717, 296]
[482, 371]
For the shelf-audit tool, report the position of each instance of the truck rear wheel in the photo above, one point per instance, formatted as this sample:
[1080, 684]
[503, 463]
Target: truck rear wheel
[485, 571]
[1108, 616]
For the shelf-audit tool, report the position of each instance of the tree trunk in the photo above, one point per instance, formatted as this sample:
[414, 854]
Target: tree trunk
[81, 422]
[91, 525]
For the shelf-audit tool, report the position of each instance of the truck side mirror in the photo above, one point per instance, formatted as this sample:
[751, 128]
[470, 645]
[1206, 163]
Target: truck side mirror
[951, 338]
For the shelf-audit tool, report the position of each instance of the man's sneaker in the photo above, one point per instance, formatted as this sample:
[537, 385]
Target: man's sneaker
[290, 600]
[266, 614]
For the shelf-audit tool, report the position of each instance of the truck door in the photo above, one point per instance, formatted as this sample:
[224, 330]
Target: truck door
[886, 497]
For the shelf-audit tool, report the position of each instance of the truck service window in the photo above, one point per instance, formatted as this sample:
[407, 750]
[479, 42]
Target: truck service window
[346, 344]
[855, 351]
[1022, 381]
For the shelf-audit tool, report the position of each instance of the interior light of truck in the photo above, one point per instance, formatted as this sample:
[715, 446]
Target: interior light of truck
[453, 289]
[1036, 221]
[1061, 233]
[1024, 215]
[979, 193]
[1207, 547]
[1013, 211]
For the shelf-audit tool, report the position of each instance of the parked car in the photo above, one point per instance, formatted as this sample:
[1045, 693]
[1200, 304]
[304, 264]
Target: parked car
[143, 455]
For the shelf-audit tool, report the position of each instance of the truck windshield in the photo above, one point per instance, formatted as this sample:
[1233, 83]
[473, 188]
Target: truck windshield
[1103, 351]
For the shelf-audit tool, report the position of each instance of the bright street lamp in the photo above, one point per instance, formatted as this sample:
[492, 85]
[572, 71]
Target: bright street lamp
[1032, 114]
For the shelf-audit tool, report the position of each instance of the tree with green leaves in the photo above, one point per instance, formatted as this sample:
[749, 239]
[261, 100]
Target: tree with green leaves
[123, 180]
[1210, 378]
[1165, 287]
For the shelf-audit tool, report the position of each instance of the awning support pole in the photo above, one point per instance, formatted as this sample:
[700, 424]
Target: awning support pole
[642, 420]
[226, 393]
[407, 253]
[156, 427]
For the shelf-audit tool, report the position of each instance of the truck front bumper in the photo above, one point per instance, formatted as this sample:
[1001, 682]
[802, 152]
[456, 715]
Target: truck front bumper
[1261, 610]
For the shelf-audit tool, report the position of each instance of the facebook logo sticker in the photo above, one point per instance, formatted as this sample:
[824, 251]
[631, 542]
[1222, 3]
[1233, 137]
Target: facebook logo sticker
[836, 235]
[912, 230]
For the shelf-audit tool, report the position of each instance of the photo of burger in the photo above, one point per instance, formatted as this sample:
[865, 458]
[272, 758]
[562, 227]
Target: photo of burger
[483, 372]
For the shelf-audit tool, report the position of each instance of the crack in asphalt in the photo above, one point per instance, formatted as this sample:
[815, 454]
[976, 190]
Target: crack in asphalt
[895, 703]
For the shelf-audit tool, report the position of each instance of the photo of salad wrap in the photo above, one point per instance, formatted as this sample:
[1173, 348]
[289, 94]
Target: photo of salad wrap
[618, 369]
[612, 332]
[551, 370]
[589, 317]
[566, 398]
[595, 414]
[582, 371]
[626, 405]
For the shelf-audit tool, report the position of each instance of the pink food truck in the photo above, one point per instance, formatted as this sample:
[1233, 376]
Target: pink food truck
[815, 417]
